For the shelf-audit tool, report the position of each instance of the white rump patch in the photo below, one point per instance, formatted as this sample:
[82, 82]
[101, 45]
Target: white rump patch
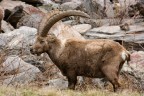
[124, 55]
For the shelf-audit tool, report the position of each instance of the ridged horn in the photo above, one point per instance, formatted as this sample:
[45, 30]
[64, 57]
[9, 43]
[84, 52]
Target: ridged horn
[58, 17]
[46, 18]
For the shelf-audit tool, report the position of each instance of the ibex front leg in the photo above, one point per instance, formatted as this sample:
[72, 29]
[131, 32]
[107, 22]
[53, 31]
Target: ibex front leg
[72, 79]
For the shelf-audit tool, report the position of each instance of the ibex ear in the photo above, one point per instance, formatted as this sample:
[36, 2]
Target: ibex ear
[51, 38]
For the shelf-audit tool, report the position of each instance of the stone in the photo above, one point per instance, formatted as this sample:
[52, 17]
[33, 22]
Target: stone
[20, 79]
[32, 20]
[82, 28]
[15, 10]
[137, 61]
[136, 68]
[58, 83]
[33, 2]
[18, 72]
[18, 38]
[63, 31]
[47, 2]
[113, 32]
[70, 5]
[16, 64]
[6, 27]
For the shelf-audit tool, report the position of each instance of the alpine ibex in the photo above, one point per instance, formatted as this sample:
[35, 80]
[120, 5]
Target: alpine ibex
[99, 58]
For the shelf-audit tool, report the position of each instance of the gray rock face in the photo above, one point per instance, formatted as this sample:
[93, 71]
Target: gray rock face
[19, 79]
[6, 27]
[70, 5]
[32, 20]
[19, 38]
[136, 68]
[16, 63]
[135, 33]
[58, 83]
[137, 61]
[18, 71]
[33, 1]
[16, 10]
[96, 7]
[82, 28]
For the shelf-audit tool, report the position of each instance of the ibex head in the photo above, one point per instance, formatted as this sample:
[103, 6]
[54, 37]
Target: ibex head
[43, 41]
[42, 44]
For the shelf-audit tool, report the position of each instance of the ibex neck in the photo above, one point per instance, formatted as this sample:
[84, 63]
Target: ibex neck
[55, 50]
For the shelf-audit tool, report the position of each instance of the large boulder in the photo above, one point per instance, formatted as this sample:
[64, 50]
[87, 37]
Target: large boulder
[82, 28]
[6, 27]
[58, 83]
[18, 38]
[135, 33]
[33, 2]
[70, 5]
[32, 20]
[15, 70]
[1, 18]
[136, 68]
[96, 8]
[14, 65]
[15, 10]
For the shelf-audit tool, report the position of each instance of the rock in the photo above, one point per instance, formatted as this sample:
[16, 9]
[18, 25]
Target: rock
[82, 28]
[63, 1]
[70, 5]
[33, 2]
[57, 1]
[99, 83]
[137, 62]
[58, 83]
[63, 31]
[18, 38]
[107, 30]
[1, 18]
[20, 79]
[47, 2]
[6, 27]
[14, 65]
[32, 20]
[136, 68]
[110, 22]
[15, 15]
[16, 71]
[15, 10]
[113, 32]
[140, 7]
[48, 7]
[94, 9]
[9, 4]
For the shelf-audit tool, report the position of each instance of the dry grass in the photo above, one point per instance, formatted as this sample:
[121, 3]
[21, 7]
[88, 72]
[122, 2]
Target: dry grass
[33, 91]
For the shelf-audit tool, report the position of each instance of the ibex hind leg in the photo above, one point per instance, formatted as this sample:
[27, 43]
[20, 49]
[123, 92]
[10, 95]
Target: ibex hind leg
[112, 75]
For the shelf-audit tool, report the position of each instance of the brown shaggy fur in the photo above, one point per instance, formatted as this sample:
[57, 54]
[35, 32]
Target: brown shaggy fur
[76, 57]
[91, 58]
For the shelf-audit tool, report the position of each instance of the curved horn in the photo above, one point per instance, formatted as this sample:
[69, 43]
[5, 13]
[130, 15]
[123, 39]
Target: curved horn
[58, 17]
[46, 18]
